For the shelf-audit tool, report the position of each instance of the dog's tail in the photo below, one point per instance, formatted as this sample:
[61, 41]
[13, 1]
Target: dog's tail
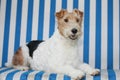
[8, 64]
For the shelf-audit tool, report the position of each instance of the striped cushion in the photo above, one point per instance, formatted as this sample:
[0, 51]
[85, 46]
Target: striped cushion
[13, 74]
[25, 20]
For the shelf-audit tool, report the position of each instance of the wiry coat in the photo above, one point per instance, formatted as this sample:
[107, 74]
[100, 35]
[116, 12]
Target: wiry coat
[58, 54]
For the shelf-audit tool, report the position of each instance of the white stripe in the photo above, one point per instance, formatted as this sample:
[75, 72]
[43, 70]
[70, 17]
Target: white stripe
[31, 76]
[60, 77]
[89, 77]
[81, 5]
[35, 19]
[3, 68]
[24, 22]
[92, 33]
[58, 5]
[58, 8]
[117, 72]
[104, 75]
[81, 8]
[45, 76]
[46, 20]
[18, 74]
[4, 74]
[2, 22]
[116, 34]
[12, 30]
[70, 5]
[104, 35]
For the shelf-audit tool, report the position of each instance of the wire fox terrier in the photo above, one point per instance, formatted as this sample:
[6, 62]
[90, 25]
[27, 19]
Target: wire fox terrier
[58, 54]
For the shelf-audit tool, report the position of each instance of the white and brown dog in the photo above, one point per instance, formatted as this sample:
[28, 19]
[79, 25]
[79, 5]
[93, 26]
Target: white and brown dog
[59, 54]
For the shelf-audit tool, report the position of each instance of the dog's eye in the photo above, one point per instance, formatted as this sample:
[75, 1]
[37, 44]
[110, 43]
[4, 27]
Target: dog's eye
[66, 20]
[77, 20]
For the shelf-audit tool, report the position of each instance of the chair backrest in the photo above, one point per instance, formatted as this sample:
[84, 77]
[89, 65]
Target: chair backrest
[25, 20]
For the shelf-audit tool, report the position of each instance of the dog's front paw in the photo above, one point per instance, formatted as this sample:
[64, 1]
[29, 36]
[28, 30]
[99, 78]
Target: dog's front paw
[94, 72]
[78, 76]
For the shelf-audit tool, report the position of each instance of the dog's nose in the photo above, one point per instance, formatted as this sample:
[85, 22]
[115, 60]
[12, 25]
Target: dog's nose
[74, 30]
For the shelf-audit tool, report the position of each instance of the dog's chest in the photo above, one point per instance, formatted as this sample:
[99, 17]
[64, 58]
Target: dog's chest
[70, 54]
[67, 54]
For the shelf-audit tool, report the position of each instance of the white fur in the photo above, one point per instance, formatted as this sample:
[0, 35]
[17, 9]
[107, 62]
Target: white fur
[59, 55]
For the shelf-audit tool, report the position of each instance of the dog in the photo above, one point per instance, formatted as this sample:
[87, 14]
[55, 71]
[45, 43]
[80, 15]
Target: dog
[58, 54]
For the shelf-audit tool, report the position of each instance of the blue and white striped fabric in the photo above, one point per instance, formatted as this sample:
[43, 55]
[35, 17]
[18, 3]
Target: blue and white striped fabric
[13, 74]
[25, 20]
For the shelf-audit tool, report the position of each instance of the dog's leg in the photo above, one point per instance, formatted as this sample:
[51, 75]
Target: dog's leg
[20, 61]
[70, 71]
[89, 70]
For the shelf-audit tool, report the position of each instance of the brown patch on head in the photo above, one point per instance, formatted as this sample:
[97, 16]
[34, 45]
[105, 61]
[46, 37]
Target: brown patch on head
[61, 13]
[78, 12]
[18, 57]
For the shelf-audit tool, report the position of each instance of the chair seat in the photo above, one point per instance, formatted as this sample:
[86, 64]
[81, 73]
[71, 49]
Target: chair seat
[13, 74]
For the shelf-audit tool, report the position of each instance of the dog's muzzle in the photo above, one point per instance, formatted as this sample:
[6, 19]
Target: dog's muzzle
[73, 37]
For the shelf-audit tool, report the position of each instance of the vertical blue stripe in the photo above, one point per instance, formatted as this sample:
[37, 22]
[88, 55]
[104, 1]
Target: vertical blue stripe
[39, 75]
[66, 77]
[64, 4]
[84, 78]
[111, 75]
[110, 35]
[11, 74]
[6, 32]
[98, 35]
[18, 25]
[29, 21]
[25, 75]
[52, 17]
[119, 34]
[75, 4]
[52, 76]
[41, 19]
[86, 31]
[97, 77]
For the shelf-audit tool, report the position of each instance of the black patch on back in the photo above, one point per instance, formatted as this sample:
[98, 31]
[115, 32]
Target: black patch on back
[32, 45]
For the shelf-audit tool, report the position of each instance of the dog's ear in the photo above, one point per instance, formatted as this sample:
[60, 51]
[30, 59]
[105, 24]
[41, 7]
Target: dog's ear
[78, 12]
[61, 13]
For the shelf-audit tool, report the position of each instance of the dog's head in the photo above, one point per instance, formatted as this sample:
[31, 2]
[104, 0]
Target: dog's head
[69, 23]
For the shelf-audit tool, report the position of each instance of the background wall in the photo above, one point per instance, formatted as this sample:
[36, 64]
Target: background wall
[25, 20]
